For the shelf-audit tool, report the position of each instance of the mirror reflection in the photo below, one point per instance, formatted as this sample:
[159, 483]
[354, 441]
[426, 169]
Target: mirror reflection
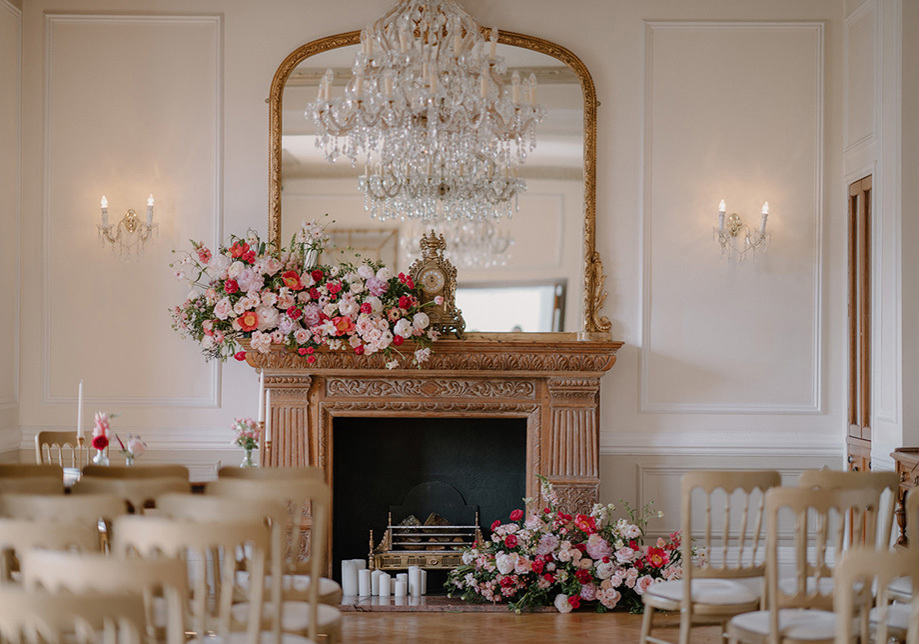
[523, 273]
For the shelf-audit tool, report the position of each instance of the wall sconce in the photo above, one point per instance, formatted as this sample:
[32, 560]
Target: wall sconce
[129, 234]
[727, 235]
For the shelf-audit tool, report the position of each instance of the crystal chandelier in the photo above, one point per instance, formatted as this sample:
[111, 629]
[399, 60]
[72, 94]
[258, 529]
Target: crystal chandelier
[441, 131]
[473, 244]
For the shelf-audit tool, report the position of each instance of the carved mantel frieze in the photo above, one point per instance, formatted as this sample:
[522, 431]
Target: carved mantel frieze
[552, 384]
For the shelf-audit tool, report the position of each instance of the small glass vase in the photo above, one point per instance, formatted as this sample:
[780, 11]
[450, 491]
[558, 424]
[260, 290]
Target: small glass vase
[128, 459]
[100, 458]
[247, 459]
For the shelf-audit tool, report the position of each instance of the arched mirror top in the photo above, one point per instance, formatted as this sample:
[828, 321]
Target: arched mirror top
[587, 302]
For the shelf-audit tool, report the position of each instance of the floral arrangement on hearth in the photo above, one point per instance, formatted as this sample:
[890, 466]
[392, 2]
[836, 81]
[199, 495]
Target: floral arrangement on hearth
[550, 558]
[252, 290]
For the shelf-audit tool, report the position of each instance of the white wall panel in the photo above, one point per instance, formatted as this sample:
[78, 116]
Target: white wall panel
[733, 111]
[121, 121]
[10, 28]
[860, 90]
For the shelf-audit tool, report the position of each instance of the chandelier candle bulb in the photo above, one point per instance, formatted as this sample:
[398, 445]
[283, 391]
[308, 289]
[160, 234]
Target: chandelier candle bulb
[104, 212]
[493, 43]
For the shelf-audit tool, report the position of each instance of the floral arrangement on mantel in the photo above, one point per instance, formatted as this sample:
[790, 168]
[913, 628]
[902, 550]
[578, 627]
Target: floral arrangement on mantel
[551, 558]
[252, 290]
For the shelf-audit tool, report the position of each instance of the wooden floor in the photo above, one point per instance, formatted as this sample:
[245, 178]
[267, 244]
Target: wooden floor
[506, 628]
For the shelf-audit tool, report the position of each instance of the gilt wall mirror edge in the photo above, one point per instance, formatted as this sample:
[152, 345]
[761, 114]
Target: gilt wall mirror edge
[595, 325]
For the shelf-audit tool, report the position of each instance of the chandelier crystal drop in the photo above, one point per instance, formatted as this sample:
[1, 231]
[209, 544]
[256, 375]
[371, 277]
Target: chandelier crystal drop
[441, 132]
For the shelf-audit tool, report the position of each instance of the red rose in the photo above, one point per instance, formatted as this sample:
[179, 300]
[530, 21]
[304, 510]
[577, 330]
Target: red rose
[658, 557]
[100, 441]
[507, 581]
[359, 349]
[294, 313]
[291, 280]
[334, 287]
[633, 544]
[249, 257]
[311, 359]
[366, 308]
[575, 601]
[239, 249]
[495, 524]
[583, 576]
[248, 321]
[516, 515]
[240, 355]
[314, 293]
[538, 566]
[398, 340]
[317, 275]
[407, 280]
[510, 541]
[581, 546]
[310, 350]
[549, 577]
[231, 286]
[605, 559]
[546, 510]
[302, 351]
[405, 302]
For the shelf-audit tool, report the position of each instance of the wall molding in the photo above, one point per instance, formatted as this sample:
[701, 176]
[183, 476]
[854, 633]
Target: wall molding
[761, 444]
[11, 401]
[869, 6]
[815, 404]
[213, 399]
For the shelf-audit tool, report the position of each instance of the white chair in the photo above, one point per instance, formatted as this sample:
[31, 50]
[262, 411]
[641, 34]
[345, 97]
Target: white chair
[61, 448]
[161, 582]
[27, 617]
[95, 510]
[728, 579]
[139, 494]
[799, 609]
[19, 535]
[863, 568]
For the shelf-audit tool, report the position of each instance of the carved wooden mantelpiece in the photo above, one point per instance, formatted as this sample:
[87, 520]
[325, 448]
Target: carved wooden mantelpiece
[553, 385]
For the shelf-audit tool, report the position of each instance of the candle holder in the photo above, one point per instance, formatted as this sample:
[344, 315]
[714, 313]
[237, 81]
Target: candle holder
[728, 233]
[129, 235]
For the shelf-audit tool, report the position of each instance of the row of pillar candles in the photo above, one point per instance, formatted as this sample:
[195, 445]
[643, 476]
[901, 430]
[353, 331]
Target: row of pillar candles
[358, 581]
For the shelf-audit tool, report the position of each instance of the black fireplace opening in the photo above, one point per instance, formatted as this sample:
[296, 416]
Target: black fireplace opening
[378, 461]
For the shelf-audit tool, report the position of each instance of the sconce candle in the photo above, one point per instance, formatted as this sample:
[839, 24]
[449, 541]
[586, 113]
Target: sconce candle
[722, 208]
[762, 226]
[737, 238]
[104, 211]
[150, 210]
[130, 233]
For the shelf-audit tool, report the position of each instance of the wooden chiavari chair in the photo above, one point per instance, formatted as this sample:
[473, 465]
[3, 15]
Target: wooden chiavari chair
[61, 448]
[19, 535]
[138, 494]
[137, 471]
[94, 510]
[32, 479]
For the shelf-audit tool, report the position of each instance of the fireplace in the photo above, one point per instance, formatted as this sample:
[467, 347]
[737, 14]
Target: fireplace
[550, 385]
[379, 461]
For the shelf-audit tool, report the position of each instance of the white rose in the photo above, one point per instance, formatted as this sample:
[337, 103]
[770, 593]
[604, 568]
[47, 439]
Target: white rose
[235, 269]
[561, 603]
[384, 274]
[404, 328]
[421, 320]
[365, 271]
[506, 562]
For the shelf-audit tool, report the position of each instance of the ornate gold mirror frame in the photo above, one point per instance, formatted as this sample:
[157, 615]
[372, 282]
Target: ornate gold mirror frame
[595, 325]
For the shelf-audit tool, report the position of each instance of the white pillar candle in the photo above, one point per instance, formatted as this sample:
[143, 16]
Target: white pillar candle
[80, 410]
[424, 581]
[400, 588]
[385, 585]
[348, 578]
[363, 583]
[414, 581]
[375, 577]
[150, 210]
[360, 563]
[268, 415]
[261, 397]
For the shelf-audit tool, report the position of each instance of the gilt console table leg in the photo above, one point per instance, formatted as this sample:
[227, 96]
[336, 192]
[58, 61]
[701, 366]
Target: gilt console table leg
[574, 466]
[289, 417]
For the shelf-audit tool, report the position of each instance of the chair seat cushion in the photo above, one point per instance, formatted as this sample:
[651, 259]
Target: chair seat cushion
[295, 616]
[329, 589]
[898, 616]
[794, 623]
[721, 592]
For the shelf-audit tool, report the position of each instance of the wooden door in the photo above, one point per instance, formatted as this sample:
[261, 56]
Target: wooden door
[859, 417]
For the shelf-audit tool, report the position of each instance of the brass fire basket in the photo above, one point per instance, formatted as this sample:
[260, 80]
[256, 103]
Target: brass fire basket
[429, 546]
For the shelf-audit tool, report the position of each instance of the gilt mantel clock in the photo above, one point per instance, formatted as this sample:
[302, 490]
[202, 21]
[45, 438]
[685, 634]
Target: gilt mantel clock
[435, 277]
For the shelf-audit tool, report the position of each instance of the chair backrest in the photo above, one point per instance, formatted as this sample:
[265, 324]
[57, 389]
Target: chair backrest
[195, 541]
[32, 479]
[61, 448]
[19, 535]
[912, 518]
[820, 519]
[57, 571]
[732, 538]
[139, 494]
[27, 617]
[270, 473]
[88, 509]
[138, 471]
[878, 526]
[862, 568]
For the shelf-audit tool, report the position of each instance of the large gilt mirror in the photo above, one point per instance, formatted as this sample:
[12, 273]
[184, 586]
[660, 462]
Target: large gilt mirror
[537, 271]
